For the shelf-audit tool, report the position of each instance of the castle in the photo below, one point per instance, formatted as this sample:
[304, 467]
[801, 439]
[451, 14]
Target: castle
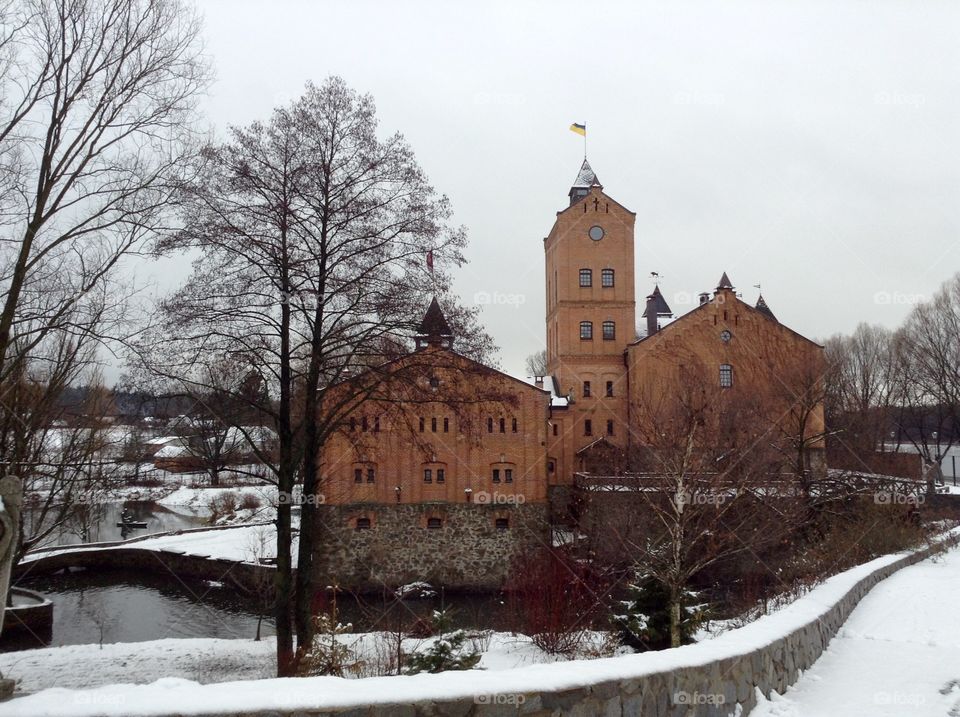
[445, 476]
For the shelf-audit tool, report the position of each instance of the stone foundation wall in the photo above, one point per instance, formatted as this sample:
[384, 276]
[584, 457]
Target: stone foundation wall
[467, 552]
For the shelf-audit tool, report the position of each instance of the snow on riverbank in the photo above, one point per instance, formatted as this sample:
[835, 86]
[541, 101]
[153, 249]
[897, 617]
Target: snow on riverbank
[210, 661]
[175, 694]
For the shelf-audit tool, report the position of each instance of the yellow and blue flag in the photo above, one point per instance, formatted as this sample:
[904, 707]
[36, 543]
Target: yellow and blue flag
[580, 129]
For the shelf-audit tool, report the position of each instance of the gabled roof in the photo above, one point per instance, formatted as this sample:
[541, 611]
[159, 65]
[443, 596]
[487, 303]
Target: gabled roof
[764, 309]
[660, 304]
[724, 282]
[586, 178]
[434, 322]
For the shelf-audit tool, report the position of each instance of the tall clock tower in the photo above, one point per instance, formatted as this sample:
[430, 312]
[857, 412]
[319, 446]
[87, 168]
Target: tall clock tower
[591, 312]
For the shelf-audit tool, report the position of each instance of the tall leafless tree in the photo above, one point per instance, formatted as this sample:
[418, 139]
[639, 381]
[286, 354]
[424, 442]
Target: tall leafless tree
[314, 235]
[96, 106]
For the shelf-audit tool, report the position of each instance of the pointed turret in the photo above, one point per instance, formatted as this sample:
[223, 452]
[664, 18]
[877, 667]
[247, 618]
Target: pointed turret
[724, 282]
[763, 308]
[586, 179]
[434, 329]
[657, 308]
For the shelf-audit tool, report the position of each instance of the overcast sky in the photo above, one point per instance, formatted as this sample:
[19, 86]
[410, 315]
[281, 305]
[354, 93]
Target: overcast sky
[813, 147]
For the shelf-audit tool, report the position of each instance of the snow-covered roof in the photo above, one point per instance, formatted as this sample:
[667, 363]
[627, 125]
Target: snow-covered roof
[548, 384]
[171, 451]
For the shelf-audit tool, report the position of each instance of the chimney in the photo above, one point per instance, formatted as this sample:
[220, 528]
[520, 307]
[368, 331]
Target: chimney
[651, 315]
[704, 298]
[538, 381]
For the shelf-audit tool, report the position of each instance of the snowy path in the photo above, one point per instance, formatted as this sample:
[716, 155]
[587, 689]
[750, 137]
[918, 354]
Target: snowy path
[898, 654]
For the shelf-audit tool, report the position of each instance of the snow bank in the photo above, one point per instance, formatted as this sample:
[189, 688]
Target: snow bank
[178, 696]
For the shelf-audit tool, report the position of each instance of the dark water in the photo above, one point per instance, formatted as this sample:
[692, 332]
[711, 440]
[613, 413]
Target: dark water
[98, 522]
[127, 606]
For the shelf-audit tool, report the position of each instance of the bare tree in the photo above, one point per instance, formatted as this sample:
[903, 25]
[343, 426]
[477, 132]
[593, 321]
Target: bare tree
[927, 387]
[96, 102]
[315, 235]
[537, 363]
[712, 485]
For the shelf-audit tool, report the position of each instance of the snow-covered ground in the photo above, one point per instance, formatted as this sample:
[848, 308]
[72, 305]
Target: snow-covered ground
[897, 655]
[916, 601]
[209, 661]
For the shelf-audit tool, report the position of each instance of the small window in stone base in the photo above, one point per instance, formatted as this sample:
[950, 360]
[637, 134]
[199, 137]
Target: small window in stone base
[363, 524]
[434, 523]
[502, 524]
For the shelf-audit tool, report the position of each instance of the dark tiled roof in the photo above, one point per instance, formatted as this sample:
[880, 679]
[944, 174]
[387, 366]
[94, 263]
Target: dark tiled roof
[763, 308]
[725, 282]
[586, 178]
[660, 304]
[434, 322]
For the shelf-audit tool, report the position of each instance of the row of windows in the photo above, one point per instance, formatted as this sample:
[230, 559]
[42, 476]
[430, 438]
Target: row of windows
[438, 475]
[609, 330]
[588, 391]
[588, 427]
[364, 424]
[432, 523]
[434, 424]
[606, 278]
[502, 425]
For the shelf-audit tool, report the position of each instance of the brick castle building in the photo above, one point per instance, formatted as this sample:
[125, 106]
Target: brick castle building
[450, 468]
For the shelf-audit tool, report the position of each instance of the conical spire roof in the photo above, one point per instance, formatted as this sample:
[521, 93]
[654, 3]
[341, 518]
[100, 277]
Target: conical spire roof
[586, 178]
[763, 308]
[659, 303]
[724, 282]
[434, 324]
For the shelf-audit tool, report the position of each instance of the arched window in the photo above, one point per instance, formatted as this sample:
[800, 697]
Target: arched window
[726, 375]
[586, 331]
[609, 331]
[606, 278]
[586, 278]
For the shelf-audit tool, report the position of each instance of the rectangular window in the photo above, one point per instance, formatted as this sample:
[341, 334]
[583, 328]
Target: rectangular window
[358, 475]
[503, 425]
[609, 331]
[586, 278]
[371, 475]
[588, 427]
[606, 278]
[363, 524]
[489, 425]
[513, 425]
[609, 428]
[363, 423]
[586, 389]
[609, 389]
[502, 524]
[726, 375]
[422, 424]
[441, 475]
[586, 331]
[376, 424]
[433, 425]
[555, 429]
[496, 475]
[508, 475]
[434, 523]
[427, 475]
[446, 425]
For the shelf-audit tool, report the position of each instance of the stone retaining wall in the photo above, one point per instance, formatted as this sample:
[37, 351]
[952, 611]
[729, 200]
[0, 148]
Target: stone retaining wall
[466, 552]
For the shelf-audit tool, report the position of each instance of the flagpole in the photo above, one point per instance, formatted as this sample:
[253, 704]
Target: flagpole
[584, 141]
